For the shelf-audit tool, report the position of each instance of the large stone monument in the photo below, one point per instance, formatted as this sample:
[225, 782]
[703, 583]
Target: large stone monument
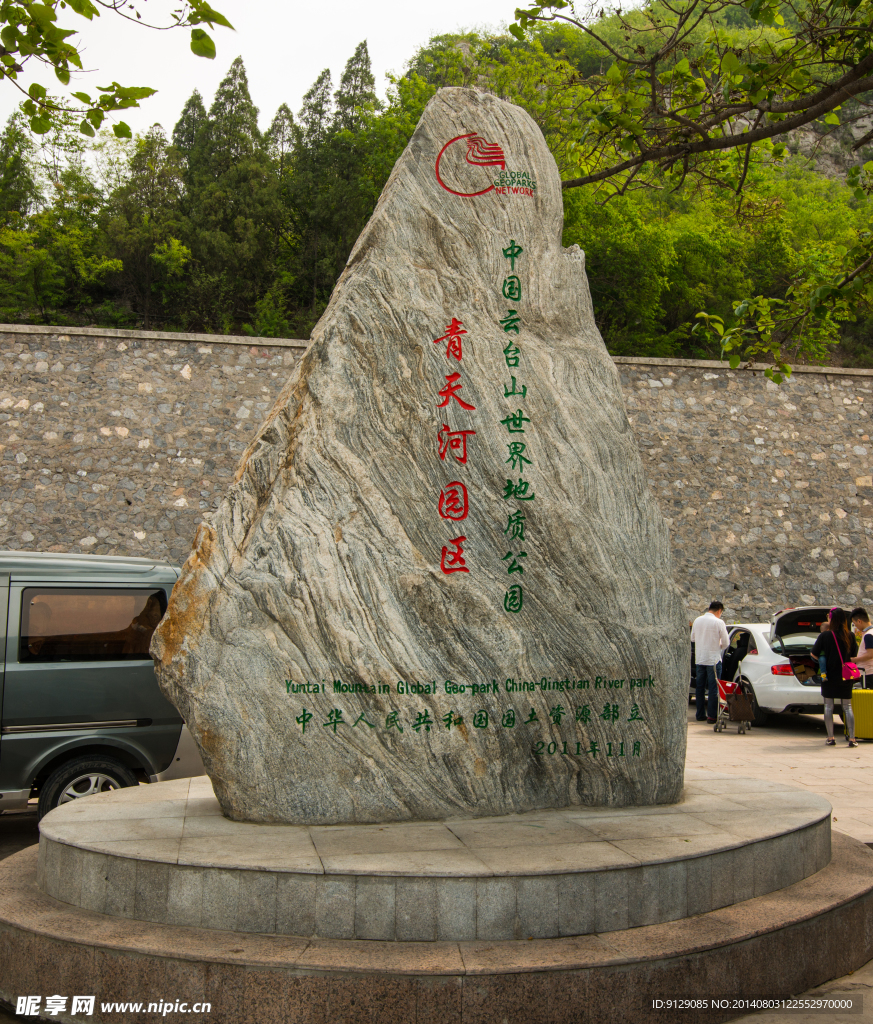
[439, 584]
[439, 589]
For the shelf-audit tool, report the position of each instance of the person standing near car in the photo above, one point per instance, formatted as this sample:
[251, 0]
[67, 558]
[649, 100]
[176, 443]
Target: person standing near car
[839, 647]
[864, 630]
[710, 637]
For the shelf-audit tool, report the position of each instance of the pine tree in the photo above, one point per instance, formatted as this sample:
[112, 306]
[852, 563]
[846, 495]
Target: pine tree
[356, 97]
[309, 180]
[231, 209]
[280, 137]
[232, 124]
[188, 126]
[141, 219]
[188, 139]
[315, 114]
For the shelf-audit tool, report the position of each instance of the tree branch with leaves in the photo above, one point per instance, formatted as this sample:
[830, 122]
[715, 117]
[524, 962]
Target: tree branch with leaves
[31, 37]
[693, 93]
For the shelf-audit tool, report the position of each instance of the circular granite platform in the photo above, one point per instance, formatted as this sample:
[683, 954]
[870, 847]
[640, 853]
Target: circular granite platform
[771, 946]
[165, 854]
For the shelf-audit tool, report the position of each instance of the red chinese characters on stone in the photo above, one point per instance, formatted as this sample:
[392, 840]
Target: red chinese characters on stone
[453, 561]
[454, 441]
[452, 338]
[454, 502]
[451, 391]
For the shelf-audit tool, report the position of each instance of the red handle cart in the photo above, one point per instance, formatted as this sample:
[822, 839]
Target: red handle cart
[734, 705]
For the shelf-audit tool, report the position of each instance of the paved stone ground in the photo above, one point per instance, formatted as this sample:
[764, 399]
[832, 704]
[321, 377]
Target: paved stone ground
[18, 829]
[859, 983]
[791, 749]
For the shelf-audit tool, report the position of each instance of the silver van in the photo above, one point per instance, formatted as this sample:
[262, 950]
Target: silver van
[80, 707]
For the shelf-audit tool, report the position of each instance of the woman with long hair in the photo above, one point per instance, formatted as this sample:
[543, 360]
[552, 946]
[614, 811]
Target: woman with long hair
[839, 646]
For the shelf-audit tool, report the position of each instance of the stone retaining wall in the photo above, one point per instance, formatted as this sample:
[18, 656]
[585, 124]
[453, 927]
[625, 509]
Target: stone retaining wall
[766, 488]
[122, 441]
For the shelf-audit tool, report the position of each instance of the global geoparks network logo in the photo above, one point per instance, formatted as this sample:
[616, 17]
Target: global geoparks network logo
[469, 165]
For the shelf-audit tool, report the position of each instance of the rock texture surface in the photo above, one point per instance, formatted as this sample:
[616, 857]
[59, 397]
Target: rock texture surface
[332, 657]
[767, 491]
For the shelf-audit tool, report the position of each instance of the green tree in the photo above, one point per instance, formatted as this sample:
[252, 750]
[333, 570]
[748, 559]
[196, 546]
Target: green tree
[351, 186]
[629, 265]
[703, 93]
[19, 190]
[55, 262]
[684, 86]
[280, 138]
[187, 132]
[141, 222]
[315, 114]
[231, 204]
[307, 190]
[356, 98]
[230, 132]
[331, 180]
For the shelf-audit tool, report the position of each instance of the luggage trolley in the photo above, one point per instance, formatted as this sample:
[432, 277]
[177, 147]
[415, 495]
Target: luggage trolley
[734, 705]
[862, 705]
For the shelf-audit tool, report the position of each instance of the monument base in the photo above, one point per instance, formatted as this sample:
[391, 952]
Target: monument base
[165, 853]
[790, 916]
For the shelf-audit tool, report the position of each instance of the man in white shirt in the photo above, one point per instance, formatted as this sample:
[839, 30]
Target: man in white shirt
[710, 637]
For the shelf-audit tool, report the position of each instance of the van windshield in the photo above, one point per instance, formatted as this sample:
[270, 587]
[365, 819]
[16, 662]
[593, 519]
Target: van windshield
[88, 624]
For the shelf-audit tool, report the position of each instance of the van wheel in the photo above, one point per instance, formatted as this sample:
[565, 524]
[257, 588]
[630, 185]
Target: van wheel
[83, 777]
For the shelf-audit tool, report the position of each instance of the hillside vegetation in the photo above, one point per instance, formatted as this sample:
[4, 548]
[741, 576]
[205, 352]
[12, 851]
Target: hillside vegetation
[216, 226]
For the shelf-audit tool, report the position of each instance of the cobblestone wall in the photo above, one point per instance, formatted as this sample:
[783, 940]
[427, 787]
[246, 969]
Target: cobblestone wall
[121, 442]
[120, 445]
[766, 488]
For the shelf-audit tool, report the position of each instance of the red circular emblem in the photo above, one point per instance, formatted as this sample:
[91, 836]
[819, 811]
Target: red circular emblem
[479, 153]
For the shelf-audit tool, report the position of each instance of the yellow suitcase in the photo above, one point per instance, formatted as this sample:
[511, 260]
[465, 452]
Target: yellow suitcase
[862, 706]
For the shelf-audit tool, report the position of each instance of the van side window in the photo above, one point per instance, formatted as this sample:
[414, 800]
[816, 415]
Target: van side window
[84, 624]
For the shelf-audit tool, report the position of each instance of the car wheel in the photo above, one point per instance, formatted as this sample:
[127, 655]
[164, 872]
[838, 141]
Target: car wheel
[81, 777]
[759, 717]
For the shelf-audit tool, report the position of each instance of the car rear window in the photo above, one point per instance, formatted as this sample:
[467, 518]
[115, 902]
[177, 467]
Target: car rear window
[801, 637]
[88, 624]
[795, 643]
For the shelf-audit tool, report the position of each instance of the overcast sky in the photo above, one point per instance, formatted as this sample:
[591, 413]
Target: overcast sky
[285, 45]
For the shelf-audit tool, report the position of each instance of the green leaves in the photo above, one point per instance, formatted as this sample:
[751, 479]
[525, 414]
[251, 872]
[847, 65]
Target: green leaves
[730, 63]
[201, 12]
[83, 7]
[202, 44]
[127, 95]
[30, 30]
[41, 124]
[614, 74]
[678, 84]
[828, 283]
